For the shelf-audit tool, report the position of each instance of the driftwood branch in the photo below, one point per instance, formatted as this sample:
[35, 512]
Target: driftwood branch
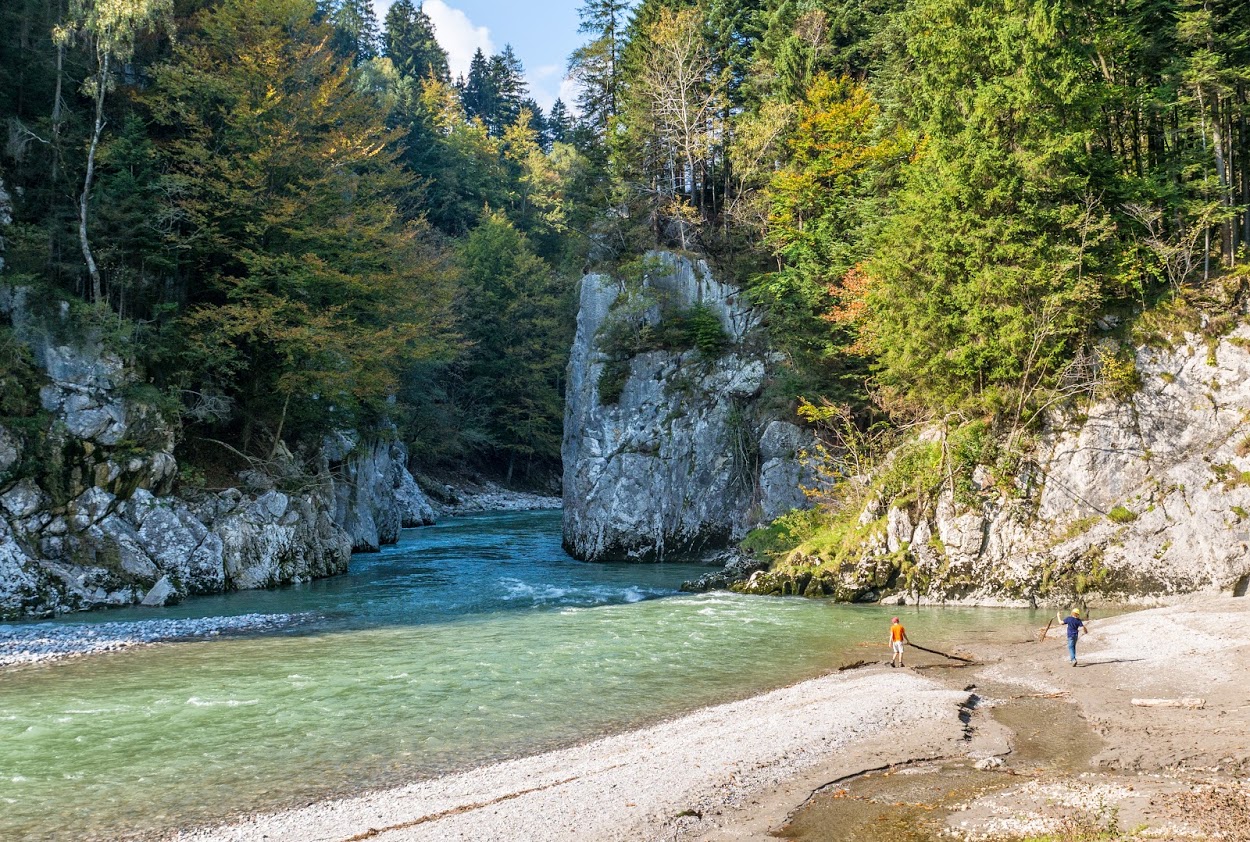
[1190, 704]
[943, 654]
[854, 666]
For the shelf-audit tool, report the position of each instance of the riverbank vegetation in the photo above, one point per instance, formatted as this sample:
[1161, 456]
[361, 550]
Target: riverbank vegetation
[959, 215]
[292, 221]
[954, 211]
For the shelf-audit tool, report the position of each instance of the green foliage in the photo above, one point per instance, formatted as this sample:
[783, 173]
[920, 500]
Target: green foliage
[1165, 325]
[703, 327]
[643, 319]
[972, 445]
[1120, 514]
[783, 534]
[932, 200]
[612, 380]
[1118, 374]
[313, 291]
[516, 316]
[20, 379]
[1229, 476]
[409, 42]
[985, 279]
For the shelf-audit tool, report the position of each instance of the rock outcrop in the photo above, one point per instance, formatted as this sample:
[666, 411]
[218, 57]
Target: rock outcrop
[684, 459]
[1139, 499]
[375, 495]
[88, 517]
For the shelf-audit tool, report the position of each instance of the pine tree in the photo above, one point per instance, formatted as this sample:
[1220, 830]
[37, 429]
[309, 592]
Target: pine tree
[985, 280]
[409, 42]
[511, 89]
[559, 128]
[356, 30]
[597, 65]
[478, 93]
[512, 313]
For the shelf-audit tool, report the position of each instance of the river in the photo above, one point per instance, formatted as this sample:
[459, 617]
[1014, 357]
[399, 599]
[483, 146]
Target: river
[474, 640]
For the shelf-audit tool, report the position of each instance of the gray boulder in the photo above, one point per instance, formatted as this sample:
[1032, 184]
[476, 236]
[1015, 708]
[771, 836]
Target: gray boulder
[375, 495]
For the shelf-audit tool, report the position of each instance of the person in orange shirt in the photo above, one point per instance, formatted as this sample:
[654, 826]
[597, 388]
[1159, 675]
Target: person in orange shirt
[898, 636]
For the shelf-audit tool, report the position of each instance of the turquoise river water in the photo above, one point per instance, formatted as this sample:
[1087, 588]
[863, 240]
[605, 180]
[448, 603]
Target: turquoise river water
[474, 640]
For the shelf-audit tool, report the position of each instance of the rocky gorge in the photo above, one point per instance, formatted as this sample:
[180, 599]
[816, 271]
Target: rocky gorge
[1140, 495]
[88, 513]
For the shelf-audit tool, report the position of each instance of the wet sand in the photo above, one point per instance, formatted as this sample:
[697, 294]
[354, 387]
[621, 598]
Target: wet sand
[1082, 757]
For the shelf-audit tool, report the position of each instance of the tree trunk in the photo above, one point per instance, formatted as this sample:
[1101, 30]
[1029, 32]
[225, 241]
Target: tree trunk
[97, 286]
[277, 437]
[1245, 165]
[1221, 171]
[56, 118]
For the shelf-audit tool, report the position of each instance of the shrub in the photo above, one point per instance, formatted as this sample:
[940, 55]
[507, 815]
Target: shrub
[1121, 515]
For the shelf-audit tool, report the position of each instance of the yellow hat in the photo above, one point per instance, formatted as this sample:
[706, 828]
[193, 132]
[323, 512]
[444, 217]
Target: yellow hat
[1076, 612]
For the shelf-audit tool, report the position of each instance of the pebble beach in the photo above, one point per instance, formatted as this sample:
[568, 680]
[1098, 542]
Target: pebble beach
[45, 642]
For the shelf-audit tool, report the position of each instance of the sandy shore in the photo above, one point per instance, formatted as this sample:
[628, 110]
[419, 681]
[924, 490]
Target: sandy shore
[737, 771]
[1169, 772]
[653, 783]
[1083, 761]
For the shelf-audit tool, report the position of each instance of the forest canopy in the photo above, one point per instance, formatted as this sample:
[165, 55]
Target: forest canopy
[945, 207]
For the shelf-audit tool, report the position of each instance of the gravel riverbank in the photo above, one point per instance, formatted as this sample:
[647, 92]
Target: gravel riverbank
[736, 771]
[1149, 732]
[43, 642]
[651, 783]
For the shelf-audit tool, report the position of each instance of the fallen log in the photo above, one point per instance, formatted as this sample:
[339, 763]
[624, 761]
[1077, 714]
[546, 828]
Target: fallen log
[1189, 704]
[943, 654]
[854, 666]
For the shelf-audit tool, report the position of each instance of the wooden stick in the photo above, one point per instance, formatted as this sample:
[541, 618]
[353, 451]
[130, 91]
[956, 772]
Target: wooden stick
[1046, 630]
[943, 654]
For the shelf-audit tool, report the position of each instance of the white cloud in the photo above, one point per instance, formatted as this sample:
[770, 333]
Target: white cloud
[380, 8]
[569, 90]
[458, 36]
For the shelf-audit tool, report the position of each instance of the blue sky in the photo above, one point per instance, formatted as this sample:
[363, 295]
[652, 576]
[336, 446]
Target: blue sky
[542, 34]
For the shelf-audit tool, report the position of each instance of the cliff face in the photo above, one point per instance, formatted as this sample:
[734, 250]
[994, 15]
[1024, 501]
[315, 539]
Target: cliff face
[684, 459]
[87, 517]
[1144, 498]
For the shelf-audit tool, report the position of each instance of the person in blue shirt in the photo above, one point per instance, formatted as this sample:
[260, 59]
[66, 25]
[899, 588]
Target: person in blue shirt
[1075, 627]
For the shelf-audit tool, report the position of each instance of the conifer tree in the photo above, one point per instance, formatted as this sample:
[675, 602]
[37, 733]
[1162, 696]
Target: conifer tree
[356, 30]
[477, 92]
[409, 42]
[559, 124]
[513, 316]
[511, 89]
[597, 65]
